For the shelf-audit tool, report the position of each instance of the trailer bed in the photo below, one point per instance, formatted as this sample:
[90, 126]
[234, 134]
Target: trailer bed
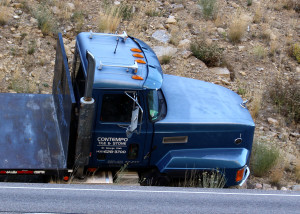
[29, 133]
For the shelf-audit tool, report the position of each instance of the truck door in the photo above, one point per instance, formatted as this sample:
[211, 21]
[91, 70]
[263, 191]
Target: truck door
[111, 146]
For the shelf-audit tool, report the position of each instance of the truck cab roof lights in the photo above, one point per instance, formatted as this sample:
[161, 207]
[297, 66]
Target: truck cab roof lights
[140, 61]
[138, 55]
[124, 35]
[136, 50]
[137, 77]
[134, 66]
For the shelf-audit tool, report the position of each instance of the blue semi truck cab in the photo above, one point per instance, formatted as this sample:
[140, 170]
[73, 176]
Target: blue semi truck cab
[117, 107]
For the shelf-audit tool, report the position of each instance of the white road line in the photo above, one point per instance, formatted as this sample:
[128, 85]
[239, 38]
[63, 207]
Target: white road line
[150, 191]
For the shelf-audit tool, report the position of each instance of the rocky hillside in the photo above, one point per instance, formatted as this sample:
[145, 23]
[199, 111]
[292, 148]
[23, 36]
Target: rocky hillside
[249, 46]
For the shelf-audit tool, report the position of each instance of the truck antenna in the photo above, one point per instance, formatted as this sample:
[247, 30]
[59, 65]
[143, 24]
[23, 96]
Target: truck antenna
[116, 45]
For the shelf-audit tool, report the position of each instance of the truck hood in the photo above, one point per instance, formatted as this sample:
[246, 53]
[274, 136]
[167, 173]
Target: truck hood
[195, 101]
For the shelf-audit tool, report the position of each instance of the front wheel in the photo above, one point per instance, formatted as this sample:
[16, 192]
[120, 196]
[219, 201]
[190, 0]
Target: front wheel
[153, 177]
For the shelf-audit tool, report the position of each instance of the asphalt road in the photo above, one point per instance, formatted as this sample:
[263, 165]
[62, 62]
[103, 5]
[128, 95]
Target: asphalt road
[65, 198]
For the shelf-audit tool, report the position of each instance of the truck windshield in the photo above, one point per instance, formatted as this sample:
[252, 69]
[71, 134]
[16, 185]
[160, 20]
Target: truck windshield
[153, 102]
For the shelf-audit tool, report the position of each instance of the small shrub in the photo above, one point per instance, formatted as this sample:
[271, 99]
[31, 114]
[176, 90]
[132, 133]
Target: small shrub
[286, 96]
[263, 158]
[203, 179]
[31, 48]
[249, 2]
[78, 19]
[256, 104]
[152, 13]
[209, 8]
[276, 176]
[110, 20]
[296, 52]
[4, 2]
[242, 91]
[237, 30]
[258, 15]
[3, 15]
[259, 52]
[165, 59]
[210, 54]
[274, 48]
[46, 22]
[126, 12]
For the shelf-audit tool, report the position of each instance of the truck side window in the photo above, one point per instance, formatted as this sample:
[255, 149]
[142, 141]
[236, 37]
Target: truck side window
[157, 105]
[153, 104]
[116, 108]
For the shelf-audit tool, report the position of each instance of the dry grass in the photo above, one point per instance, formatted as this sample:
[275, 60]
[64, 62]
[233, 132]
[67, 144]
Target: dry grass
[202, 179]
[276, 176]
[297, 171]
[165, 59]
[259, 52]
[296, 52]
[237, 29]
[109, 20]
[264, 157]
[3, 15]
[258, 15]
[210, 54]
[256, 104]
[4, 2]
[274, 48]
[285, 94]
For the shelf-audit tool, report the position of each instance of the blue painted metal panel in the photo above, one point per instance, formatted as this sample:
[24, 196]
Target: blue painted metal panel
[107, 135]
[102, 48]
[200, 159]
[197, 102]
[63, 94]
[30, 137]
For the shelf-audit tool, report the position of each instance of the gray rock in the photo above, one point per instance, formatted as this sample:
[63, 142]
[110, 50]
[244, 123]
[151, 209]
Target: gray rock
[177, 7]
[55, 10]
[296, 188]
[220, 30]
[16, 17]
[184, 44]
[162, 36]
[266, 186]
[284, 188]
[33, 20]
[258, 186]
[223, 72]
[186, 54]
[171, 20]
[272, 121]
[162, 51]
[18, 12]
[70, 6]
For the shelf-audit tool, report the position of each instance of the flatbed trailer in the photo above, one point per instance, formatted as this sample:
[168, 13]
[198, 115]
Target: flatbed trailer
[35, 128]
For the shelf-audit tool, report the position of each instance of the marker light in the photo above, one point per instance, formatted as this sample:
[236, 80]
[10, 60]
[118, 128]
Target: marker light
[137, 77]
[92, 169]
[136, 50]
[138, 55]
[66, 178]
[140, 61]
[239, 175]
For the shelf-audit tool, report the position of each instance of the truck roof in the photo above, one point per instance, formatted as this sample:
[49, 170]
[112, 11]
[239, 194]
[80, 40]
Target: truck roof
[103, 46]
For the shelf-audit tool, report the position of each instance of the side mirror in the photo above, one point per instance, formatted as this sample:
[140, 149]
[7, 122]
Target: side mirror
[134, 122]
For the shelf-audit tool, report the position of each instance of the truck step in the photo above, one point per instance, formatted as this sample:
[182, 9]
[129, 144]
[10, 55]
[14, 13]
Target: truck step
[127, 177]
[101, 177]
